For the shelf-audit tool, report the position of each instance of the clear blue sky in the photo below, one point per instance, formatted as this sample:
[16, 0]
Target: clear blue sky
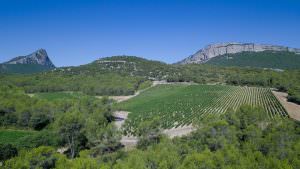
[77, 32]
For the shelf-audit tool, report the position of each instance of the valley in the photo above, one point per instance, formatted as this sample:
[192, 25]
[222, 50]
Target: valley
[149, 84]
[114, 107]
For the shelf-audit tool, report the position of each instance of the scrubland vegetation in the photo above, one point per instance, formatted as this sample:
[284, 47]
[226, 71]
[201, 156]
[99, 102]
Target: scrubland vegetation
[62, 125]
[245, 138]
[123, 75]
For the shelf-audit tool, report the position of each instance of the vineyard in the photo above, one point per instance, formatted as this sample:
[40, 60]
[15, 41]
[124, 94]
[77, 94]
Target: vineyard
[178, 105]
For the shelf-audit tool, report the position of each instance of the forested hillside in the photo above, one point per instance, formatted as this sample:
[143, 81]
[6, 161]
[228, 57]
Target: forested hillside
[134, 66]
[62, 114]
[123, 75]
[266, 59]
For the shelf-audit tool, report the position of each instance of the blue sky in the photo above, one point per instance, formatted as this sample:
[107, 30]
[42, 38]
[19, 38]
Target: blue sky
[77, 32]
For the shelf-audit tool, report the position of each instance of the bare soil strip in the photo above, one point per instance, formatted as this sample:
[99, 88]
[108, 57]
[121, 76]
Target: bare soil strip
[293, 109]
[179, 131]
[128, 141]
[30, 94]
[120, 117]
[119, 99]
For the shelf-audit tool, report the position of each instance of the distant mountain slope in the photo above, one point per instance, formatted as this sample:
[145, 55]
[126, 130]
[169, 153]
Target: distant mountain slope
[22, 68]
[37, 61]
[117, 75]
[266, 59]
[215, 50]
[129, 65]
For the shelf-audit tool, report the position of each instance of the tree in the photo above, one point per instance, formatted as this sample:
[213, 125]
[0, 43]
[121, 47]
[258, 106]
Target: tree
[42, 157]
[202, 160]
[39, 120]
[149, 132]
[7, 151]
[70, 127]
[102, 136]
[134, 161]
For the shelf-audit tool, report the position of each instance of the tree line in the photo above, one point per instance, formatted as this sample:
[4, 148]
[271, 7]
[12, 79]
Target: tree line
[113, 78]
[245, 138]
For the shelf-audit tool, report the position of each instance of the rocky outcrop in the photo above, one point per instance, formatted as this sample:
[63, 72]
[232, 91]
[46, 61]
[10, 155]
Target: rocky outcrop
[214, 50]
[38, 57]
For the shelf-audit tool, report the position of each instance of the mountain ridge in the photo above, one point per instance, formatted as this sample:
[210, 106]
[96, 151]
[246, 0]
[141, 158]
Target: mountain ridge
[218, 49]
[35, 62]
[39, 61]
[39, 57]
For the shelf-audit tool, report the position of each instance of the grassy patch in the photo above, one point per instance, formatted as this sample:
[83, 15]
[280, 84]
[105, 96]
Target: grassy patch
[145, 85]
[8, 136]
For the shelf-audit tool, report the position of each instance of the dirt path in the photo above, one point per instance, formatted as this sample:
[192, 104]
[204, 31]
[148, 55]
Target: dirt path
[179, 131]
[128, 141]
[120, 117]
[30, 94]
[293, 109]
[119, 99]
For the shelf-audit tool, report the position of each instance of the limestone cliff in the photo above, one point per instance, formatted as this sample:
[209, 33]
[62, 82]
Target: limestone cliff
[214, 50]
[38, 57]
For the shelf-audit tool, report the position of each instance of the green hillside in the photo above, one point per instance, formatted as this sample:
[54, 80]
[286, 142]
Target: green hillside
[131, 65]
[123, 75]
[266, 59]
[22, 68]
[241, 138]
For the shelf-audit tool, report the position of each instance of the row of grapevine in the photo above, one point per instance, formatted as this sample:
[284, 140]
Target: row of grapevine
[182, 106]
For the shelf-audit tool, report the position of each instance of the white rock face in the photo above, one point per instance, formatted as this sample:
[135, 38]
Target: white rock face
[214, 50]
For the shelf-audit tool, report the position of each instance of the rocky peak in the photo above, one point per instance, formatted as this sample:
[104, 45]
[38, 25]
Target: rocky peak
[214, 50]
[38, 57]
